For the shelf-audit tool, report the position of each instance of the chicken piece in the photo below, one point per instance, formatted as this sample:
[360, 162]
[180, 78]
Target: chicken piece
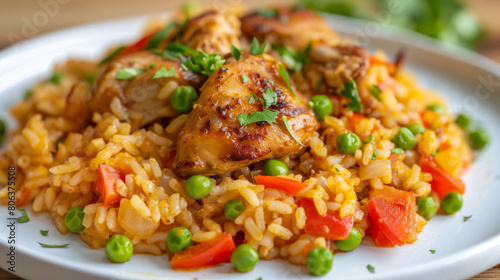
[335, 66]
[289, 27]
[140, 95]
[212, 32]
[214, 142]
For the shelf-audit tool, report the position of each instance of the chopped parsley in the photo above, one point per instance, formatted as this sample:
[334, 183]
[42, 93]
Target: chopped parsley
[128, 73]
[170, 55]
[319, 83]
[256, 48]
[432, 251]
[111, 56]
[368, 139]
[436, 152]
[53, 246]
[336, 169]
[126, 116]
[294, 60]
[350, 92]
[235, 52]
[370, 268]
[374, 155]
[375, 91]
[244, 78]
[269, 98]
[56, 78]
[267, 13]
[262, 116]
[291, 132]
[253, 98]
[203, 63]
[397, 151]
[24, 217]
[466, 218]
[152, 65]
[163, 73]
[44, 232]
[285, 77]
[159, 36]
[90, 78]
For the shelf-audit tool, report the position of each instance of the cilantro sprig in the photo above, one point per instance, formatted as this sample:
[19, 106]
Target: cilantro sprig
[235, 52]
[294, 60]
[163, 73]
[269, 97]
[350, 92]
[256, 48]
[128, 73]
[261, 116]
[24, 217]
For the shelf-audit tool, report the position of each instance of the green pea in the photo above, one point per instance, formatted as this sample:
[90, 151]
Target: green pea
[178, 239]
[244, 258]
[479, 139]
[436, 108]
[233, 208]
[198, 186]
[2, 130]
[348, 143]
[452, 202]
[275, 167]
[74, 219]
[463, 121]
[119, 248]
[319, 261]
[405, 139]
[321, 105]
[183, 98]
[427, 207]
[416, 128]
[351, 243]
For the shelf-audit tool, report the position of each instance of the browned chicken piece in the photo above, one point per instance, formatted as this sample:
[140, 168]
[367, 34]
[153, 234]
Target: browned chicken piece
[214, 142]
[142, 96]
[212, 32]
[292, 28]
[335, 66]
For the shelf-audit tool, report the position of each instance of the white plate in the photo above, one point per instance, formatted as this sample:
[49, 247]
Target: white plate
[463, 249]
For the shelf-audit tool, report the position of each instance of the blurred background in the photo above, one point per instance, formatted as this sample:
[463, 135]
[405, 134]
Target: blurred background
[472, 24]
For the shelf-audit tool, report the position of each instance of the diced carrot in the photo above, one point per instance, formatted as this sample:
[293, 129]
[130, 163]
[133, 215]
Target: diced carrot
[442, 182]
[444, 146]
[204, 254]
[289, 185]
[22, 196]
[106, 185]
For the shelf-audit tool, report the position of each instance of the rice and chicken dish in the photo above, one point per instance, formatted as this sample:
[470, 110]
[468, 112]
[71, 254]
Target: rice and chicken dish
[230, 137]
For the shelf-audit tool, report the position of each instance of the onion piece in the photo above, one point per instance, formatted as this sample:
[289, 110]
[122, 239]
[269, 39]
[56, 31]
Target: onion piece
[377, 168]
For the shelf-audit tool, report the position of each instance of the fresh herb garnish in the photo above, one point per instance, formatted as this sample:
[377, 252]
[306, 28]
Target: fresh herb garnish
[267, 13]
[375, 91]
[244, 78]
[126, 116]
[44, 232]
[181, 28]
[111, 56]
[374, 155]
[253, 98]
[291, 132]
[24, 217]
[60, 140]
[336, 169]
[319, 83]
[285, 77]
[368, 139]
[90, 78]
[163, 73]
[294, 60]
[269, 98]
[159, 36]
[256, 48]
[169, 55]
[203, 63]
[350, 92]
[261, 116]
[436, 152]
[432, 251]
[370, 268]
[56, 78]
[397, 151]
[235, 52]
[53, 246]
[466, 218]
[128, 73]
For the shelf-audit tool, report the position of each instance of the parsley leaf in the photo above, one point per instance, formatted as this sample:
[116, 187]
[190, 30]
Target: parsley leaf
[269, 98]
[256, 48]
[368, 139]
[44, 232]
[285, 77]
[244, 78]
[204, 63]
[374, 155]
[336, 169]
[24, 217]
[235, 52]
[432, 251]
[261, 116]
[169, 55]
[291, 132]
[294, 60]
[159, 36]
[370, 268]
[252, 99]
[163, 73]
[375, 91]
[466, 218]
[128, 73]
[397, 151]
[350, 92]
[56, 78]
[52, 246]
[111, 56]
[267, 13]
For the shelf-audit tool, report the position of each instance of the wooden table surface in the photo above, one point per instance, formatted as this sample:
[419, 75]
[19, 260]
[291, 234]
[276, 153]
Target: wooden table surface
[14, 15]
